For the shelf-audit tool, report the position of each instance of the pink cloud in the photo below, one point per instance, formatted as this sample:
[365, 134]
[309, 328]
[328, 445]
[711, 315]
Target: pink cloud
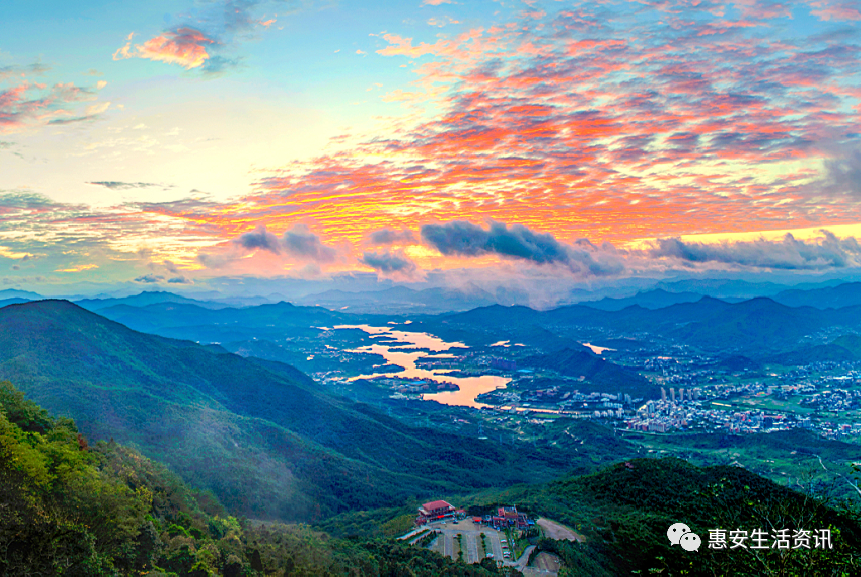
[14, 107]
[34, 104]
[839, 11]
[763, 9]
[184, 46]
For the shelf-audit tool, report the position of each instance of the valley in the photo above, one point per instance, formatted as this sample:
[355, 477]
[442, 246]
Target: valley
[479, 407]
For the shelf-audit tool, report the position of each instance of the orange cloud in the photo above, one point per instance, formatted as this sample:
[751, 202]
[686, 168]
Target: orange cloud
[184, 46]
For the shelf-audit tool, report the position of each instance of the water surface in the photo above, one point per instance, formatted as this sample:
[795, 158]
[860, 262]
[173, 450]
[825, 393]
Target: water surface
[403, 353]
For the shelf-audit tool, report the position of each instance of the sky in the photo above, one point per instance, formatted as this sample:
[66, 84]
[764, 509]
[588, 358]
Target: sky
[168, 144]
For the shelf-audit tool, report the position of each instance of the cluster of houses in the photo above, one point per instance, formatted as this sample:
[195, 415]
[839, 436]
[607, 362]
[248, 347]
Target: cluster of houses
[506, 517]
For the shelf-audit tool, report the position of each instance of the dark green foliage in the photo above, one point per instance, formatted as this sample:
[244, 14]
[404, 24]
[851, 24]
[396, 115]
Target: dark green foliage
[29, 416]
[256, 562]
[802, 441]
[577, 558]
[812, 354]
[369, 523]
[625, 511]
[737, 363]
[426, 539]
[60, 514]
[850, 342]
[844, 348]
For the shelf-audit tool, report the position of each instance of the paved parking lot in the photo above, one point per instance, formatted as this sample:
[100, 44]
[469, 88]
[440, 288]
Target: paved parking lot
[471, 540]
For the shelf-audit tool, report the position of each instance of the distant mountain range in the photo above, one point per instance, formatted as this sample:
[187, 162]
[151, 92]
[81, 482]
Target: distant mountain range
[400, 300]
[272, 443]
[727, 288]
[143, 299]
[653, 299]
[435, 300]
[840, 296]
[193, 322]
[19, 294]
[754, 328]
[834, 297]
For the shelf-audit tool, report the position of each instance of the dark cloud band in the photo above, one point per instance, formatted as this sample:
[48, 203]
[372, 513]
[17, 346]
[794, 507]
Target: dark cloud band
[786, 254]
[462, 238]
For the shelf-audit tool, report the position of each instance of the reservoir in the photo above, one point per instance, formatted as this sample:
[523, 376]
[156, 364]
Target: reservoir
[596, 349]
[408, 348]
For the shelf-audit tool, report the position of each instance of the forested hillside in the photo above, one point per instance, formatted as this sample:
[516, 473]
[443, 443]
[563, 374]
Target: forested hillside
[602, 375]
[625, 510]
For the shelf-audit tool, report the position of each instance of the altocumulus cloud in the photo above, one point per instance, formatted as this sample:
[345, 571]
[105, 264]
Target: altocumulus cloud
[462, 238]
[827, 251]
